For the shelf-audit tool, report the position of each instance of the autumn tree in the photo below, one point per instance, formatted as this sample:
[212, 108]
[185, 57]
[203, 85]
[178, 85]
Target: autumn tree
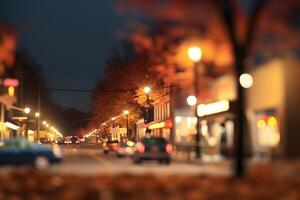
[8, 39]
[126, 75]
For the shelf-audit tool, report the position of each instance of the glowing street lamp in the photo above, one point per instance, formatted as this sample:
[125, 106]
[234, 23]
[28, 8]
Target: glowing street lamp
[191, 100]
[246, 80]
[147, 90]
[27, 110]
[126, 112]
[195, 55]
[37, 128]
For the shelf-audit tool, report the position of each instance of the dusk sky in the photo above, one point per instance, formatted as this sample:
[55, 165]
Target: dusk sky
[70, 39]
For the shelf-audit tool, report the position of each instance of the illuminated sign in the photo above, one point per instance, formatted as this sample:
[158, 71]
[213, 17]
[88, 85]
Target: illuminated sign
[212, 108]
[11, 82]
[157, 125]
[163, 124]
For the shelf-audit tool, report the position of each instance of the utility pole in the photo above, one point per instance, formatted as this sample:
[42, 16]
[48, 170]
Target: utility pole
[39, 109]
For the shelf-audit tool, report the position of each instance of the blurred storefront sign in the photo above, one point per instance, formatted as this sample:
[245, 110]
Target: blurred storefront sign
[160, 124]
[212, 108]
[10, 82]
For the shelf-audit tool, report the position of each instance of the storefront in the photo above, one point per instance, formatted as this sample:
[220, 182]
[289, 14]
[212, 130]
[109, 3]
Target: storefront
[217, 128]
[140, 129]
[273, 110]
[161, 128]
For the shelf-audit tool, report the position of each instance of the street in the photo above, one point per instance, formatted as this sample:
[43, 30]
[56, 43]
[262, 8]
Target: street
[89, 160]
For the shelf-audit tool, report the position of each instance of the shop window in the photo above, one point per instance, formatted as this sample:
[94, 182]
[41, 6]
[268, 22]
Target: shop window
[267, 129]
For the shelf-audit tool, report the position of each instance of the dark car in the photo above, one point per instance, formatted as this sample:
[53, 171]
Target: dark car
[110, 146]
[19, 151]
[74, 140]
[60, 141]
[152, 148]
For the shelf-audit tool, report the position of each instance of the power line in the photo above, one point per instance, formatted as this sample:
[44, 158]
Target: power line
[95, 90]
[81, 90]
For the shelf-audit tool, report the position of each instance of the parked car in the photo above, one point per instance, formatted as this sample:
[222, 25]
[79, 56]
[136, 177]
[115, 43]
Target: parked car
[110, 146]
[19, 151]
[74, 140]
[60, 141]
[152, 148]
[44, 140]
[71, 140]
[125, 149]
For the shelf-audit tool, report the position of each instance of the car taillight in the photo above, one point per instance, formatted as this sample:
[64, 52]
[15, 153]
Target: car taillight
[140, 147]
[169, 148]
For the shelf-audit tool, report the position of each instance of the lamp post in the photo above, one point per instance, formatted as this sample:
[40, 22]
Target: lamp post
[113, 121]
[147, 91]
[126, 112]
[37, 116]
[27, 111]
[195, 54]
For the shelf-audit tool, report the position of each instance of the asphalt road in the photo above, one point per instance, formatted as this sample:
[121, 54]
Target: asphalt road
[88, 160]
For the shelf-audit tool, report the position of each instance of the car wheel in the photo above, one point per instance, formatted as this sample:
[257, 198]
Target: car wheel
[41, 163]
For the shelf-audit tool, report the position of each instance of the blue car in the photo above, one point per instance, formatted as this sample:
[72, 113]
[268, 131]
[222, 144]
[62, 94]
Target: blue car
[19, 151]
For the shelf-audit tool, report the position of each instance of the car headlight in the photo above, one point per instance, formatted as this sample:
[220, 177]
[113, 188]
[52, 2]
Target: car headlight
[57, 151]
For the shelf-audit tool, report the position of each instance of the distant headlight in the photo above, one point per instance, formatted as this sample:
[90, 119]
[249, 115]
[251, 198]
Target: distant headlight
[57, 151]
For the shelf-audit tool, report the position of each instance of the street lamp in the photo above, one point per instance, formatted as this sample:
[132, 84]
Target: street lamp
[126, 112]
[37, 116]
[113, 121]
[191, 100]
[147, 90]
[195, 54]
[246, 80]
[27, 111]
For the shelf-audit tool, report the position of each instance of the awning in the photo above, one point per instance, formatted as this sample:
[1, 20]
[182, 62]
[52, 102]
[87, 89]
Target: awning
[159, 124]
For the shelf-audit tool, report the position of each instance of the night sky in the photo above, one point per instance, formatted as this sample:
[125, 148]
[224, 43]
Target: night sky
[70, 39]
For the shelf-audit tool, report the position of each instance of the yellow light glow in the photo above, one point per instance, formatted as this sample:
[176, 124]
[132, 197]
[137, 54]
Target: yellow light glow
[191, 100]
[27, 110]
[212, 108]
[157, 125]
[272, 122]
[261, 123]
[147, 90]
[37, 114]
[126, 112]
[11, 91]
[246, 80]
[113, 119]
[195, 53]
